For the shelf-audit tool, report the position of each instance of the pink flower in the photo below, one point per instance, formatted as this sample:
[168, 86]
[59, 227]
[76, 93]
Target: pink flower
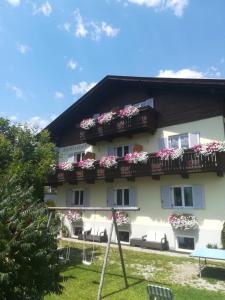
[87, 123]
[136, 157]
[106, 117]
[169, 153]
[128, 111]
[88, 164]
[108, 161]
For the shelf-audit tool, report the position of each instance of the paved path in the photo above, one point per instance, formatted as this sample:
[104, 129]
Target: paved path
[127, 247]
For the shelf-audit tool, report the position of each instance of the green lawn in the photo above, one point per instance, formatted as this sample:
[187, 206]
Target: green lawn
[81, 282]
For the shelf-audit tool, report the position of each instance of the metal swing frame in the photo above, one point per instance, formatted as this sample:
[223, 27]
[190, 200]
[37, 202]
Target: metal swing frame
[113, 224]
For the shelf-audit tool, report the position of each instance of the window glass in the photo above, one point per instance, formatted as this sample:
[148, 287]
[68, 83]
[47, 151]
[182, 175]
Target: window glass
[119, 197]
[174, 141]
[76, 198]
[81, 197]
[119, 151]
[126, 150]
[126, 197]
[124, 236]
[177, 193]
[186, 243]
[184, 141]
[188, 197]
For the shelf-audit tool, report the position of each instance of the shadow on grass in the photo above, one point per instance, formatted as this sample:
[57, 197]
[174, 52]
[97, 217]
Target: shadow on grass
[138, 280]
[216, 273]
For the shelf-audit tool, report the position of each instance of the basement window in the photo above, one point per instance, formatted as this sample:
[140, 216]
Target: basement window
[185, 243]
[124, 236]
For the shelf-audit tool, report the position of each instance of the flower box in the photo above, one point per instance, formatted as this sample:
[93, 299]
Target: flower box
[87, 124]
[183, 221]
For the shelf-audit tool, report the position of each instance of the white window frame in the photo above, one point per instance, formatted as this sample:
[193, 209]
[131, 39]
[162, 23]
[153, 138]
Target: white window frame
[73, 156]
[182, 194]
[179, 141]
[78, 190]
[121, 146]
[184, 236]
[115, 196]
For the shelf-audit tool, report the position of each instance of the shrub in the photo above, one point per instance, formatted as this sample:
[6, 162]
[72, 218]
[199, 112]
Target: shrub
[223, 236]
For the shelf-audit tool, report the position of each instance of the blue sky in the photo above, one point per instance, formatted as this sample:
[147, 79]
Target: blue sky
[52, 52]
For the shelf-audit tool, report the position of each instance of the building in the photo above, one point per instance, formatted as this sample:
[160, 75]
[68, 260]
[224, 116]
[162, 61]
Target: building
[173, 113]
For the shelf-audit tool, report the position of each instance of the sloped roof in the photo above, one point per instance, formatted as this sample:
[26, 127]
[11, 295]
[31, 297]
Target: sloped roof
[110, 83]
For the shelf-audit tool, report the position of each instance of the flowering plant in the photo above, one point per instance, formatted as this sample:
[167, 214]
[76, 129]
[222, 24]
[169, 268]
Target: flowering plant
[73, 216]
[88, 164]
[108, 161]
[121, 218]
[183, 222]
[87, 123]
[209, 148]
[66, 166]
[136, 157]
[169, 153]
[106, 117]
[128, 111]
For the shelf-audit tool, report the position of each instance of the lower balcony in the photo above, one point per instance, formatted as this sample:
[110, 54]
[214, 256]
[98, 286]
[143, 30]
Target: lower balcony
[155, 167]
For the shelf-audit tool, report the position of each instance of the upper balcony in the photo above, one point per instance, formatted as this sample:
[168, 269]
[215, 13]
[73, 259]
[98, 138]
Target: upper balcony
[155, 167]
[146, 120]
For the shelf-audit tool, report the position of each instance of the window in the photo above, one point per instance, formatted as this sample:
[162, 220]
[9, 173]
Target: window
[124, 236]
[148, 102]
[121, 151]
[179, 141]
[185, 243]
[122, 197]
[78, 198]
[182, 196]
[76, 157]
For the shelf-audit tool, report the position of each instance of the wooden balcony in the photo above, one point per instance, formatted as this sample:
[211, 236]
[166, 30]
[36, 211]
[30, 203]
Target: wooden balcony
[155, 167]
[146, 120]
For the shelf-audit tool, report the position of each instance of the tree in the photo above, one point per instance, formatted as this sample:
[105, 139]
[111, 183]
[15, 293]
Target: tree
[29, 263]
[223, 236]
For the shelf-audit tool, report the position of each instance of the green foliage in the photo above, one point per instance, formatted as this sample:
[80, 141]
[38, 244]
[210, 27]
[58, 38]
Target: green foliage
[29, 263]
[26, 155]
[223, 236]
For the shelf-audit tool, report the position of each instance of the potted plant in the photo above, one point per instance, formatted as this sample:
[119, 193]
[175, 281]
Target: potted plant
[183, 221]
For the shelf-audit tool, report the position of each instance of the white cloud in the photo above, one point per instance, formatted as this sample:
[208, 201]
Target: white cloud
[94, 29]
[109, 30]
[177, 6]
[59, 95]
[72, 64]
[17, 91]
[81, 30]
[14, 2]
[183, 73]
[67, 26]
[82, 87]
[211, 72]
[23, 49]
[37, 123]
[45, 9]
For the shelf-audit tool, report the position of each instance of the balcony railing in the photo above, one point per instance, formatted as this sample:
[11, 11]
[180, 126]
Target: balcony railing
[146, 120]
[155, 167]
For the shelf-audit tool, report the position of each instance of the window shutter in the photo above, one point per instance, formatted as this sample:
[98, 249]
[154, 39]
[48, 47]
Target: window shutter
[110, 197]
[163, 142]
[130, 148]
[86, 197]
[133, 197]
[69, 198]
[194, 139]
[166, 197]
[198, 196]
[111, 151]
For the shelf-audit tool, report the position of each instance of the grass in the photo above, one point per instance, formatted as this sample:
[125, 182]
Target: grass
[80, 282]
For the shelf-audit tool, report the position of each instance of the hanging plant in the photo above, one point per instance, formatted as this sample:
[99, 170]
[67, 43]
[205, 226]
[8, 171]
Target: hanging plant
[169, 153]
[209, 148]
[73, 216]
[108, 161]
[87, 124]
[183, 221]
[129, 111]
[106, 117]
[136, 157]
[66, 166]
[87, 164]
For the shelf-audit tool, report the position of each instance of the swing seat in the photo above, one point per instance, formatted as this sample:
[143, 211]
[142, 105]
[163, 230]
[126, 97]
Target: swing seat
[86, 262]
